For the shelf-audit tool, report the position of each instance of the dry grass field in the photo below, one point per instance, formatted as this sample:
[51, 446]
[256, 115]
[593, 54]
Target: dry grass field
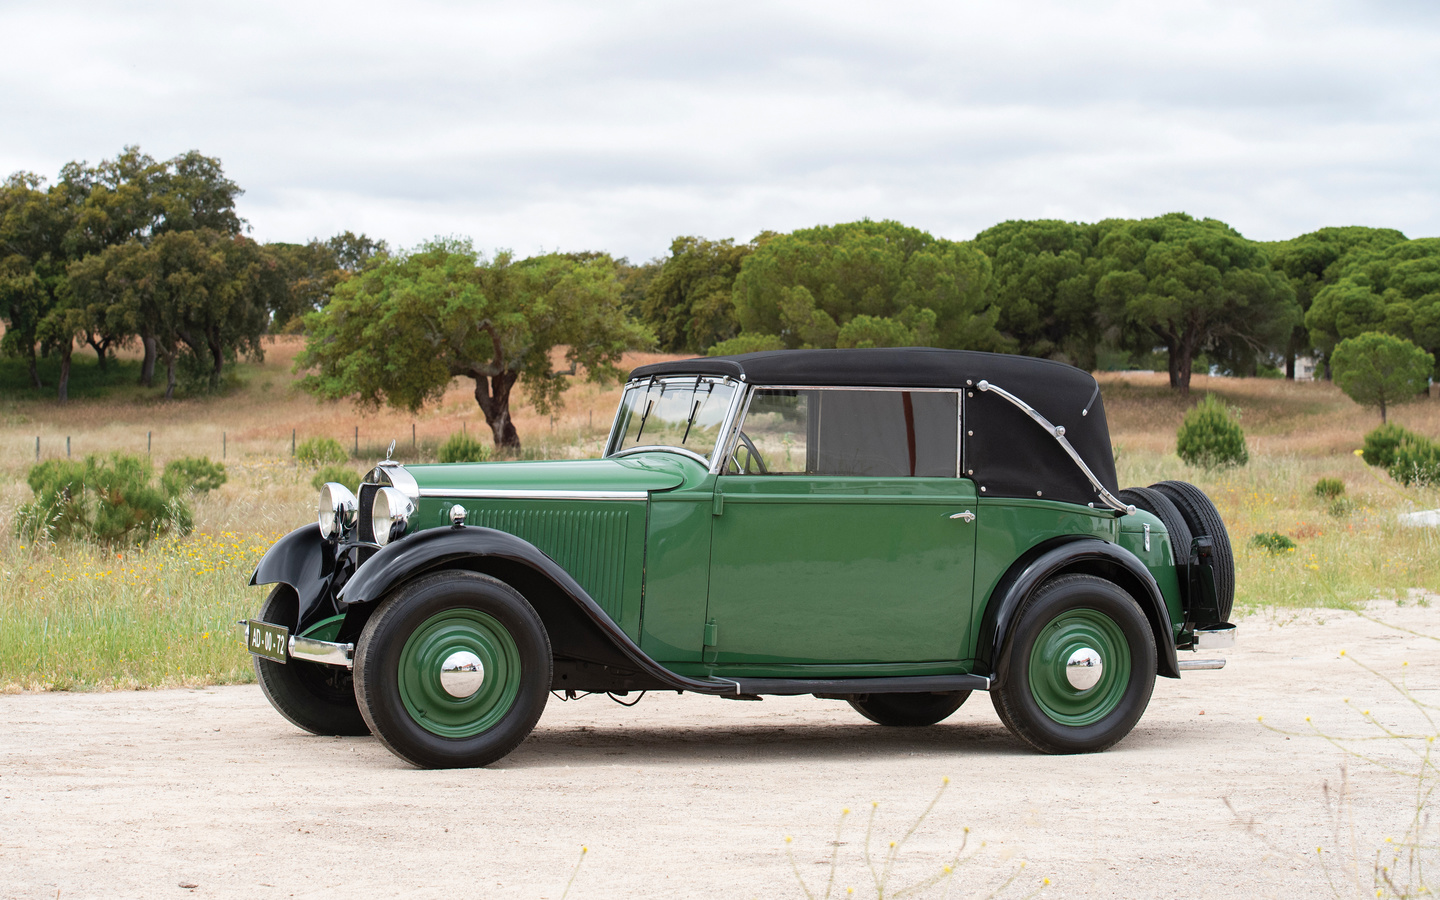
[78, 617]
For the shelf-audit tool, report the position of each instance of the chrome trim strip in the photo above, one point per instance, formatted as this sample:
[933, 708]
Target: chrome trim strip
[325, 652]
[504, 494]
[1188, 665]
[1058, 433]
[664, 448]
[730, 427]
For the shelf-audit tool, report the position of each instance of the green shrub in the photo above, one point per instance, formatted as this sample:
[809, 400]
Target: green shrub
[461, 447]
[1381, 444]
[1341, 507]
[1329, 488]
[338, 474]
[320, 451]
[746, 343]
[1408, 457]
[1417, 461]
[193, 475]
[1209, 438]
[110, 500]
[1272, 542]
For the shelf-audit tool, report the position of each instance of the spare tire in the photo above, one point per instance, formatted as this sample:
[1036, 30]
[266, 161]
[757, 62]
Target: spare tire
[1162, 508]
[1204, 520]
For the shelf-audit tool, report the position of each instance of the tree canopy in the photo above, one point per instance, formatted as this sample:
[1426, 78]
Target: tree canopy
[1394, 289]
[402, 329]
[688, 303]
[865, 284]
[1043, 287]
[1381, 370]
[1312, 262]
[1188, 284]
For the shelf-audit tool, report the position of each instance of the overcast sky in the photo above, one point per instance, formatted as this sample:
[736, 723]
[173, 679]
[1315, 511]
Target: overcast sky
[619, 125]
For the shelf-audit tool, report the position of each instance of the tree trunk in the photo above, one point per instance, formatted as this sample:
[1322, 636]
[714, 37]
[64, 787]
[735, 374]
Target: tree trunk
[1182, 358]
[170, 378]
[493, 395]
[217, 352]
[1382, 411]
[34, 372]
[64, 389]
[147, 368]
[99, 347]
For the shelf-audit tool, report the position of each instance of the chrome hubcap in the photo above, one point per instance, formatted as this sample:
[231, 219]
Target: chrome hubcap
[462, 674]
[1084, 668]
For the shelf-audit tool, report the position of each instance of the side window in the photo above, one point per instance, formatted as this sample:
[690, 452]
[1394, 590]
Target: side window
[837, 432]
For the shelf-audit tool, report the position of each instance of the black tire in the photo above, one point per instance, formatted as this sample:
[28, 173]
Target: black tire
[1161, 506]
[909, 710]
[400, 692]
[1046, 712]
[1204, 519]
[317, 698]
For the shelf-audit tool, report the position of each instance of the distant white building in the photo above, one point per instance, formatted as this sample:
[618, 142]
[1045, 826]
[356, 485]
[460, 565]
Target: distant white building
[1304, 368]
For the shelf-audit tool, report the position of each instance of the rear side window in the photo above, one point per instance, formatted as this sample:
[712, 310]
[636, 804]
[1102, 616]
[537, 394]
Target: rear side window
[881, 433]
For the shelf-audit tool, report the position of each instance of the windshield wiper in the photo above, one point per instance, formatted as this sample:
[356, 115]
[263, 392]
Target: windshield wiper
[641, 430]
[695, 409]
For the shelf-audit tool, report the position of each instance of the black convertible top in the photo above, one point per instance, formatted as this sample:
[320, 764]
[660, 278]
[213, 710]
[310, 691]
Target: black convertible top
[1006, 452]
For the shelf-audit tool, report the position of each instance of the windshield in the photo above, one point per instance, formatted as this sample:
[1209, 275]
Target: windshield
[685, 411]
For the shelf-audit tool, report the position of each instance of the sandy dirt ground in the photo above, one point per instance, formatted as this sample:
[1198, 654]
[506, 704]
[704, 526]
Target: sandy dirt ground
[208, 792]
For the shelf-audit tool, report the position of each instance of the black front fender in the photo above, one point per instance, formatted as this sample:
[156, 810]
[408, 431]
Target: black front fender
[579, 628]
[303, 560]
[1063, 556]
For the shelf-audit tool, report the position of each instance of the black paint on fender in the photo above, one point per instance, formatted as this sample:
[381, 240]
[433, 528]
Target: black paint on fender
[1072, 555]
[305, 561]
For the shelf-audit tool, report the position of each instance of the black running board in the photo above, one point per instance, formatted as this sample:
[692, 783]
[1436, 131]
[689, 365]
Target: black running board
[849, 687]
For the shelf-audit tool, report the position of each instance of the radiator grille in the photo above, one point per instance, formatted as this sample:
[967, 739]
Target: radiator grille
[589, 544]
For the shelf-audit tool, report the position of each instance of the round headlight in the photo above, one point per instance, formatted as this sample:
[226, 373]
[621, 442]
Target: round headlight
[338, 510]
[390, 515]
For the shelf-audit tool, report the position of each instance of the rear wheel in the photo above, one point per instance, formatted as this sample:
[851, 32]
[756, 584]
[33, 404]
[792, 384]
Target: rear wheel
[1080, 669]
[1204, 519]
[318, 698]
[453, 670]
[909, 710]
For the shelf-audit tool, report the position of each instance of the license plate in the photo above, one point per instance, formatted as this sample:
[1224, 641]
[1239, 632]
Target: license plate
[269, 641]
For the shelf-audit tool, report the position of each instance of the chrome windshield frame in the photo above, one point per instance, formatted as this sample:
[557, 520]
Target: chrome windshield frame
[716, 460]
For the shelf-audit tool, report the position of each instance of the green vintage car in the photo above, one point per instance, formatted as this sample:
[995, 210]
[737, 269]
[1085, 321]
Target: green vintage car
[894, 528]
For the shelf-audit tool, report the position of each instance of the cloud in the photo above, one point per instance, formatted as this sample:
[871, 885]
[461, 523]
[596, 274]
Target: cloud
[620, 125]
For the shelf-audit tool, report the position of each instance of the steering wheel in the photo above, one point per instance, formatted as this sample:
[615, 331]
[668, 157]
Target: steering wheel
[752, 454]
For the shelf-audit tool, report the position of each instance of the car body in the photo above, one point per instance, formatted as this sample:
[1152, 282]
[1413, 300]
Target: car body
[892, 527]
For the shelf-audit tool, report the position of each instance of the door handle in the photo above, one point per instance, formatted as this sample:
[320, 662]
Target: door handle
[967, 515]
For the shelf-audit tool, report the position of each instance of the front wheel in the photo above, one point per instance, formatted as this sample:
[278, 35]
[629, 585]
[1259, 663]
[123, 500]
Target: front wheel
[1080, 669]
[453, 670]
[312, 696]
[909, 710]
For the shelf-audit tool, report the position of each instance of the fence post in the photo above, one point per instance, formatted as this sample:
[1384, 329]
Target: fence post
[292, 442]
[37, 448]
[148, 436]
[414, 444]
[67, 446]
[224, 444]
[357, 440]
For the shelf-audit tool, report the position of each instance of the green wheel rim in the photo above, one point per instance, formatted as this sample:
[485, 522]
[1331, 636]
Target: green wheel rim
[428, 703]
[1066, 633]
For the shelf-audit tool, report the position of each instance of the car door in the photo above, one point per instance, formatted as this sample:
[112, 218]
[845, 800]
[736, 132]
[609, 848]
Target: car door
[841, 531]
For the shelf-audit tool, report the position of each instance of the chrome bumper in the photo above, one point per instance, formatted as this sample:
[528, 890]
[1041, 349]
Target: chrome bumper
[325, 652]
[1211, 637]
[310, 650]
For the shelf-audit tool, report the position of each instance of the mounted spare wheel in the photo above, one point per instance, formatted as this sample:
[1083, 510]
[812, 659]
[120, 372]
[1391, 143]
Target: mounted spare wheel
[1161, 507]
[1204, 521]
